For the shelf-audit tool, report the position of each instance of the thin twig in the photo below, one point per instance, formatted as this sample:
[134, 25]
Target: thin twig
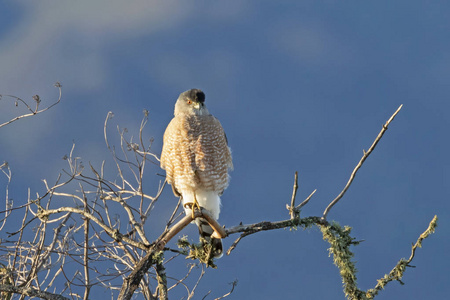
[171, 219]
[191, 294]
[305, 201]
[87, 283]
[364, 157]
[233, 285]
[32, 111]
[233, 246]
[8, 202]
[291, 208]
[180, 281]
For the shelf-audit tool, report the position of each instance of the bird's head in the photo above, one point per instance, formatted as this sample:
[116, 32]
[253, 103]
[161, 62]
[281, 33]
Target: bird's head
[191, 102]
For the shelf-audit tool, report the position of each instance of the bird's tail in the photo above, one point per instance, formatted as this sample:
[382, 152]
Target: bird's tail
[206, 231]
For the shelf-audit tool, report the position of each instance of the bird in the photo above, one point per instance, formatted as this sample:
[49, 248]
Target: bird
[197, 160]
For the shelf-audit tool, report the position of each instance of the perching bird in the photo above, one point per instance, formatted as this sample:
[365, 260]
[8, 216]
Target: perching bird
[197, 158]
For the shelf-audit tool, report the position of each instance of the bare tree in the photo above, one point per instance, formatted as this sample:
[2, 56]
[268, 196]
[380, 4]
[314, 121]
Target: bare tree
[79, 244]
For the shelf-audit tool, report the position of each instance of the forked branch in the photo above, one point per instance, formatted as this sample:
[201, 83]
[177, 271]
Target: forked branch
[32, 111]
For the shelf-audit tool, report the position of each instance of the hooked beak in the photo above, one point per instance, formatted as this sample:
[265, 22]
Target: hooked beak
[197, 105]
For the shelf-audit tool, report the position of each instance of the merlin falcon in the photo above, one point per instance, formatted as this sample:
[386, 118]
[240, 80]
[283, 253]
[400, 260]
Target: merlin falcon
[197, 158]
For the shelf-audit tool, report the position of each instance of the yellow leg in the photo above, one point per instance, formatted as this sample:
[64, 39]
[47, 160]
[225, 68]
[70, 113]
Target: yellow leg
[195, 204]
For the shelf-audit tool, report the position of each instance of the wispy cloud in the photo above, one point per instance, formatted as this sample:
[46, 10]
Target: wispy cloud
[67, 39]
[310, 43]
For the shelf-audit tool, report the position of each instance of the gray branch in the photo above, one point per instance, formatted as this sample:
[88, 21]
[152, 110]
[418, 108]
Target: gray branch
[31, 292]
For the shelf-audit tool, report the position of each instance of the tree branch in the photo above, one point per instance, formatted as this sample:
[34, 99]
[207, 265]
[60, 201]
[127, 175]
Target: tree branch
[31, 292]
[162, 281]
[397, 272]
[114, 233]
[293, 212]
[131, 283]
[233, 285]
[364, 157]
[34, 111]
[133, 254]
[266, 225]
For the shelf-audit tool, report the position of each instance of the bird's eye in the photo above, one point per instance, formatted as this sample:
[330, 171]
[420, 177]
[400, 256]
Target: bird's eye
[189, 102]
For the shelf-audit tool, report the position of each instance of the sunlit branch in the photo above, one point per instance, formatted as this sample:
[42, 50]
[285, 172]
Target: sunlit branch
[364, 157]
[33, 111]
[31, 292]
[114, 233]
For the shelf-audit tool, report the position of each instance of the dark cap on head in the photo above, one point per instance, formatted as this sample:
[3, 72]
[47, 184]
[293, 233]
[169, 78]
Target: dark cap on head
[195, 95]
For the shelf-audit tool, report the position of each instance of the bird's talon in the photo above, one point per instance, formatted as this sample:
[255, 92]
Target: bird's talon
[192, 206]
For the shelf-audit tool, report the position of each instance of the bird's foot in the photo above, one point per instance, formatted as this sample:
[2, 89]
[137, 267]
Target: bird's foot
[195, 205]
[192, 206]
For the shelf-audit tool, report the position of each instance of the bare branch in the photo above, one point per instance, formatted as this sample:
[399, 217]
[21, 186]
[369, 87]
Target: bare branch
[172, 217]
[306, 200]
[8, 202]
[31, 292]
[86, 249]
[233, 285]
[34, 111]
[114, 233]
[364, 157]
[192, 292]
[180, 281]
[233, 246]
[291, 207]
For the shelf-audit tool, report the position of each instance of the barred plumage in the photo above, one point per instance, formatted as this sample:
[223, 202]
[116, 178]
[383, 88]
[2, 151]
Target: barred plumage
[196, 156]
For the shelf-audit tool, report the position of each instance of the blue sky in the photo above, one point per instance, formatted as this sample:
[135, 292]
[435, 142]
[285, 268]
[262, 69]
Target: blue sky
[298, 86]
